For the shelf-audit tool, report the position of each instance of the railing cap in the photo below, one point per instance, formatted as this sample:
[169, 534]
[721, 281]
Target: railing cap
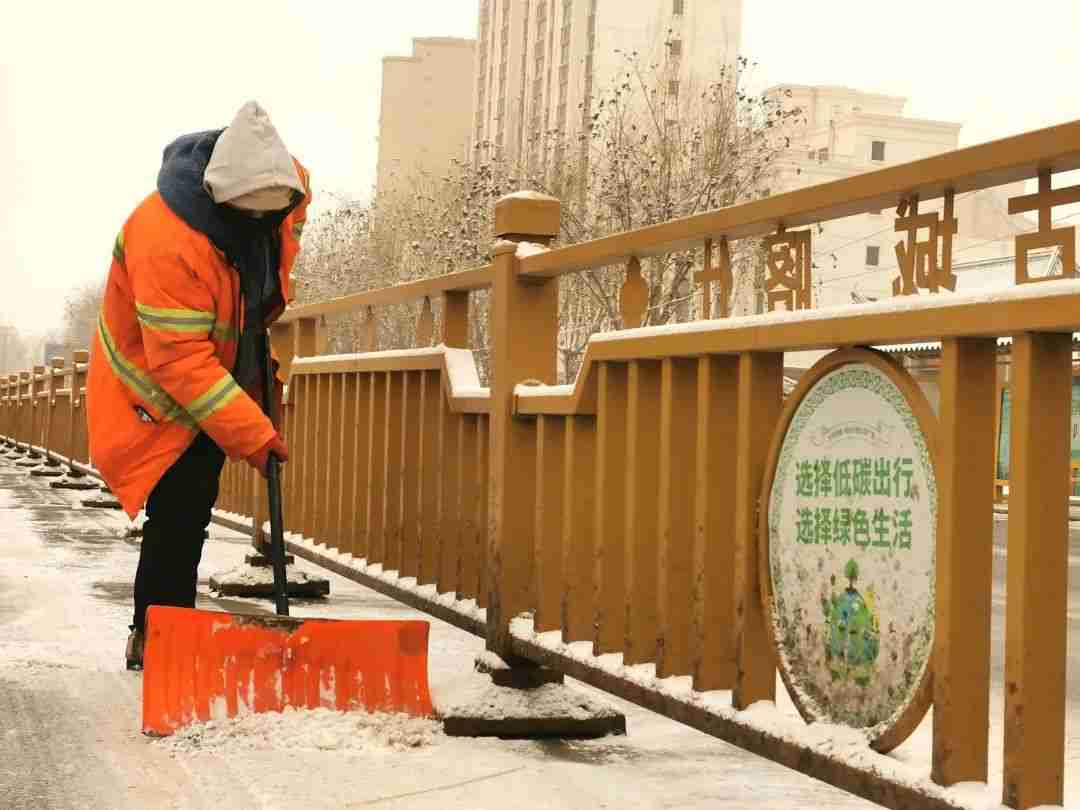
[527, 214]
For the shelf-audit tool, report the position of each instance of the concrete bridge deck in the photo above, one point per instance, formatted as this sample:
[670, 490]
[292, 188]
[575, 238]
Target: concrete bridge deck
[69, 712]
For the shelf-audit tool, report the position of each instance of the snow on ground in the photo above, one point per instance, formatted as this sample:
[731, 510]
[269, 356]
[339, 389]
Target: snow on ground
[69, 712]
[481, 698]
[244, 574]
[307, 730]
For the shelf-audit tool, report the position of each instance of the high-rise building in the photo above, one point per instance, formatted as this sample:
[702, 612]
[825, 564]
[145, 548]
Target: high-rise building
[539, 63]
[424, 115]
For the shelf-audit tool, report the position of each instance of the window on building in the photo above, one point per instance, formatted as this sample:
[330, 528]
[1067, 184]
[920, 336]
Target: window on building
[822, 154]
[873, 255]
[675, 47]
[673, 87]
[677, 6]
[877, 150]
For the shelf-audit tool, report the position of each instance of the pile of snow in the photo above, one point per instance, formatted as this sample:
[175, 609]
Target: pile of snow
[307, 730]
[259, 575]
[479, 697]
[527, 249]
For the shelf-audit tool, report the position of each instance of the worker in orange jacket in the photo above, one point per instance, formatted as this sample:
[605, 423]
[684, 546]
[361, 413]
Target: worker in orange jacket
[199, 270]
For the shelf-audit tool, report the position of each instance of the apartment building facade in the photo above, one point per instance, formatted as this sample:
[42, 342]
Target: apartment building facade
[540, 64]
[425, 110]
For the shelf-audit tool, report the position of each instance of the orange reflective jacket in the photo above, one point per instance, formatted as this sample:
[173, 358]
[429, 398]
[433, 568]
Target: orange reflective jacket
[166, 342]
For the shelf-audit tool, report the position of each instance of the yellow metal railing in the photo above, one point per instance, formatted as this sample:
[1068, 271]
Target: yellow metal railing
[623, 510]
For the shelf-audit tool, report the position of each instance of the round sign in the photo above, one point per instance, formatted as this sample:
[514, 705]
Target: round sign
[849, 536]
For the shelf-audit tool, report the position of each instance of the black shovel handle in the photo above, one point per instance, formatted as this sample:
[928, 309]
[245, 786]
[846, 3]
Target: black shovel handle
[273, 485]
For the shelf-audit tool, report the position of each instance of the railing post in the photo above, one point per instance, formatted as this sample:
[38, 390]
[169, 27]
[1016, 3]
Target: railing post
[306, 338]
[37, 412]
[675, 518]
[609, 521]
[79, 437]
[455, 319]
[548, 574]
[524, 326]
[758, 410]
[1036, 584]
[26, 421]
[964, 562]
[14, 415]
[714, 553]
[5, 430]
[51, 431]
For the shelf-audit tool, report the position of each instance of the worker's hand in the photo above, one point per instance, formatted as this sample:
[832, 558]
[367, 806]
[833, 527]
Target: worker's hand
[260, 457]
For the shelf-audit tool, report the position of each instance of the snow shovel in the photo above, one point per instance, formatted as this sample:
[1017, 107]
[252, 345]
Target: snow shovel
[202, 665]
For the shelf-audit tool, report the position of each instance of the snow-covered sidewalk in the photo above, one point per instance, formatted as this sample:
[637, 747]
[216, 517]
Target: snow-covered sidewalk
[69, 712]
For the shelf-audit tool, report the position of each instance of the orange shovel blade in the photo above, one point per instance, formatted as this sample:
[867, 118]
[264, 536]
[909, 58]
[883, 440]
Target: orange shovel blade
[202, 665]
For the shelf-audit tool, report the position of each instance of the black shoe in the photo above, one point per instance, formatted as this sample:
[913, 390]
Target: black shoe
[134, 651]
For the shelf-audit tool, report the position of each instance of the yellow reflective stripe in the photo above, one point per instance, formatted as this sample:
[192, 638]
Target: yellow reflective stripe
[175, 320]
[225, 332]
[118, 248]
[175, 314]
[174, 326]
[214, 399]
[139, 382]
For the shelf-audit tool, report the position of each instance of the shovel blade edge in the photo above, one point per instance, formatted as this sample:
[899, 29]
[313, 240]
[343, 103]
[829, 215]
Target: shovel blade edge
[201, 665]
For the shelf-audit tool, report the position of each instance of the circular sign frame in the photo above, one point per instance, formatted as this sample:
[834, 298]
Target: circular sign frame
[890, 733]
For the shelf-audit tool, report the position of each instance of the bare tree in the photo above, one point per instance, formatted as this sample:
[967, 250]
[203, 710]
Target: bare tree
[18, 350]
[654, 148]
[81, 308]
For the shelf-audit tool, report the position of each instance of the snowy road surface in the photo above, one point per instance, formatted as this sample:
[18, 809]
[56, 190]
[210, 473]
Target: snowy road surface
[69, 712]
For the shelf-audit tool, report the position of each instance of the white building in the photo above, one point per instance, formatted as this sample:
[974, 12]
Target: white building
[539, 62]
[848, 132]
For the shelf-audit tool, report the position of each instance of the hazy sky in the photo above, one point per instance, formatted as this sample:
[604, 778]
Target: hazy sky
[92, 92]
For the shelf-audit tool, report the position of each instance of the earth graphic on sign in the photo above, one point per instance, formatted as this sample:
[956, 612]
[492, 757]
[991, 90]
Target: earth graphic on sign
[852, 631]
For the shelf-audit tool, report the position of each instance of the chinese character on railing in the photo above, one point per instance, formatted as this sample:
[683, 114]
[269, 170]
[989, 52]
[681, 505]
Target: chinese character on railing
[1064, 239]
[918, 259]
[787, 255]
[720, 272]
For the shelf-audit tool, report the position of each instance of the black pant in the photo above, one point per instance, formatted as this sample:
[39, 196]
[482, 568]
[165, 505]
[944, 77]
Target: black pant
[177, 514]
